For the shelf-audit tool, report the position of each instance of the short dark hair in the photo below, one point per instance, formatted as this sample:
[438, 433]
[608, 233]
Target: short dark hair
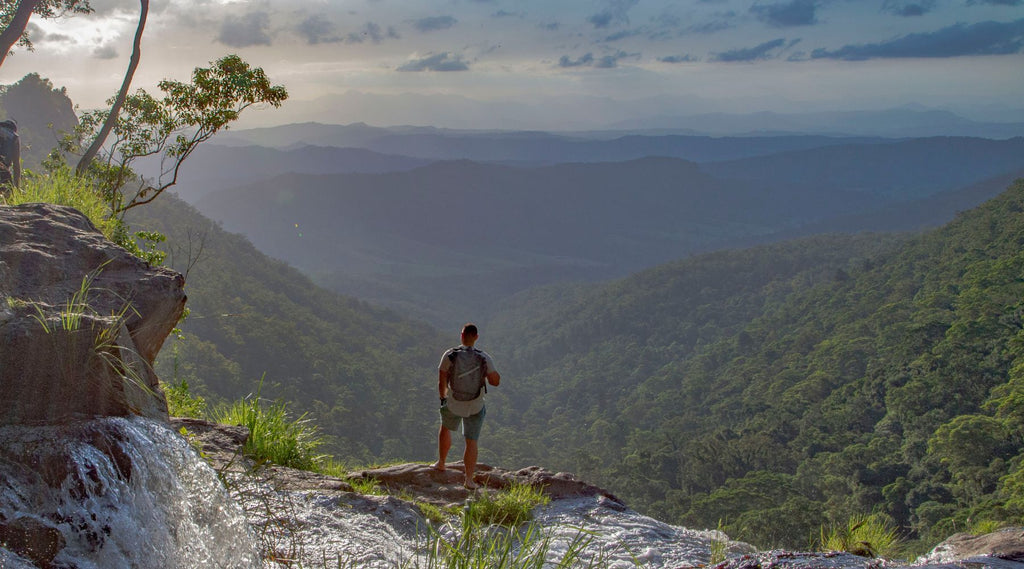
[470, 330]
[10, 125]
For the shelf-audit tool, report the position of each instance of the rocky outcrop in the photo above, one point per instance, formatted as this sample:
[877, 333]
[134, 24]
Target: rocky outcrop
[81, 320]
[1007, 544]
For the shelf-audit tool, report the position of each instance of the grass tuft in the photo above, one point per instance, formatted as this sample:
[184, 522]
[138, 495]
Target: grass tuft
[510, 508]
[867, 536]
[273, 435]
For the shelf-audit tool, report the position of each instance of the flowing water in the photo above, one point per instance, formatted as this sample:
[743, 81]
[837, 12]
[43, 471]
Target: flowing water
[116, 493]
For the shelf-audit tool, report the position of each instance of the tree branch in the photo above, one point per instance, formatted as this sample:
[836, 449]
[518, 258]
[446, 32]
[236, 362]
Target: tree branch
[16, 28]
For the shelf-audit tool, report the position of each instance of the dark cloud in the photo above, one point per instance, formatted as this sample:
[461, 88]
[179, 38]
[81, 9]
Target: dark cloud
[984, 38]
[617, 12]
[551, 26]
[373, 32]
[244, 31]
[624, 34]
[317, 29]
[908, 8]
[588, 60]
[756, 53]
[108, 51]
[39, 35]
[434, 23]
[437, 62]
[996, 2]
[788, 14]
[585, 60]
[678, 59]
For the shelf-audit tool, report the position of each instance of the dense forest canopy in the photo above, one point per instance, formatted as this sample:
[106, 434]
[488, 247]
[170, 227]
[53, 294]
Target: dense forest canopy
[780, 388]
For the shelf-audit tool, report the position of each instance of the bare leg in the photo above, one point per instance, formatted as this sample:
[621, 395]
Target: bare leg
[469, 459]
[444, 443]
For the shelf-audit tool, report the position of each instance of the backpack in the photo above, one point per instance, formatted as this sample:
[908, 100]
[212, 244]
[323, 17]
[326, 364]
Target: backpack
[467, 373]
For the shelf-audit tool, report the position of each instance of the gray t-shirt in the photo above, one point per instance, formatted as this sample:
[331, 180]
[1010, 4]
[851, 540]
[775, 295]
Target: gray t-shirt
[465, 408]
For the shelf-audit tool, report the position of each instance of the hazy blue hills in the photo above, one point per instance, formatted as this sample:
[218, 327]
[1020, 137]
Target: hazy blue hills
[527, 147]
[214, 167]
[896, 123]
[466, 234]
[901, 169]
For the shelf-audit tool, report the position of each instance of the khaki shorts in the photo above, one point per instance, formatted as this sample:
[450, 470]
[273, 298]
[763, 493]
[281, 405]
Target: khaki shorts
[471, 425]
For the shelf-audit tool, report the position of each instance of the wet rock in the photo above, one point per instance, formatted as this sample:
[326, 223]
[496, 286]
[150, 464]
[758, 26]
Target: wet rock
[98, 362]
[32, 539]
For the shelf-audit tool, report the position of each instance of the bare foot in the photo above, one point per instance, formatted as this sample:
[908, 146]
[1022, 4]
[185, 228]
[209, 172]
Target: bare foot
[438, 466]
[470, 485]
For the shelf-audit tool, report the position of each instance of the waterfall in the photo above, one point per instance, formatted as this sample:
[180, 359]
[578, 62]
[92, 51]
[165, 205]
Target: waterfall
[115, 493]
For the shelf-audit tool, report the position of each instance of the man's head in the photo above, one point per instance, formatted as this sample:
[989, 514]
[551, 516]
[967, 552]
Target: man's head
[9, 125]
[469, 334]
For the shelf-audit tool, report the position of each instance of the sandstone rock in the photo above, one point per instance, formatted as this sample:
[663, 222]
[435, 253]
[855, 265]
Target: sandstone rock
[1005, 544]
[99, 363]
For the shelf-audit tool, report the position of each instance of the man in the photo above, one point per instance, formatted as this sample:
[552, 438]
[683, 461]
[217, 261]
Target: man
[460, 367]
[10, 156]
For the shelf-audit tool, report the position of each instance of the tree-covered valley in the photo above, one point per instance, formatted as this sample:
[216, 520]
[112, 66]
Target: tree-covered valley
[769, 390]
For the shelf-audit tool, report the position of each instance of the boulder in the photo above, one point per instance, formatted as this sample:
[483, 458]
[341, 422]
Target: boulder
[1007, 544]
[81, 320]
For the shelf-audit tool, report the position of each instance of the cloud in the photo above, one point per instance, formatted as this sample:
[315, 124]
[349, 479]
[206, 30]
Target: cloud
[39, 35]
[507, 14]
[588, 60]
[996, 2]
[107, 51]
[908, 8]
[434, 23]
[757, 53]
[373, 32]
[245, 31]
[678, 59]
[623, 35]
[787, 15]
[317, 30]
[437, 62]
[617, 12]
[585, 60]
[984, 38]
[550, 26]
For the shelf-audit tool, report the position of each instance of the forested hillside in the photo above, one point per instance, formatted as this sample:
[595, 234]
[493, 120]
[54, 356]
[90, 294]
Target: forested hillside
[364, 374]
[779, 388]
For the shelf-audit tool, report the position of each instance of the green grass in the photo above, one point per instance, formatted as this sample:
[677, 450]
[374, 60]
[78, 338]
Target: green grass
[867, 536]
[479, 547]
[63, 187]
[274, 436]
[511, 507]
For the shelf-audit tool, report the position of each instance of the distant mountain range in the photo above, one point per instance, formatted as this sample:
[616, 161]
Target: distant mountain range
[527, 147]
[668, 114]
[446, 241]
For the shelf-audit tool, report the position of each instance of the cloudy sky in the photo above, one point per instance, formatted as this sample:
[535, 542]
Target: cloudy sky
[563, 63]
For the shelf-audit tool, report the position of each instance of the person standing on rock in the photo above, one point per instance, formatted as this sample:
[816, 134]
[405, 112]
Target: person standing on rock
[10, 156]
[462, 378]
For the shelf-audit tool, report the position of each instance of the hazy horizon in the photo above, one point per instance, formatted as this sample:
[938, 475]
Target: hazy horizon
[561, 66]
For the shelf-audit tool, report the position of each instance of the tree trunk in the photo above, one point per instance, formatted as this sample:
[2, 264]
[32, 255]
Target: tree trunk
[108, 124]
[12, 34]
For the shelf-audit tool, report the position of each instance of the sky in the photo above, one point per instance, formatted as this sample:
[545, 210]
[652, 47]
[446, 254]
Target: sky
[557, 63]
